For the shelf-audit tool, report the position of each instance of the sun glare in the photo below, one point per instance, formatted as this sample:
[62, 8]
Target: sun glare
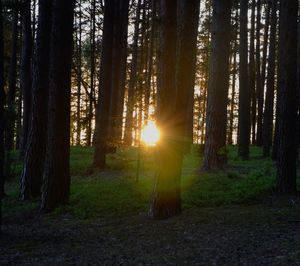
[150, 134]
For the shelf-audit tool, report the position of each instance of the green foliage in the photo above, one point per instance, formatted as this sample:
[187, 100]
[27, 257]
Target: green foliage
[114, 191]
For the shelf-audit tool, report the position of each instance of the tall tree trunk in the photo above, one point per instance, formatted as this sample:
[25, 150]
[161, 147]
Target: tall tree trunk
[287, 139]
[215, 137]
[166, 200]
[265, 44]
[25, 72]
[118, 72]
[150, 59]
[188, 17]
[133, 78]
[244, 94]
[259, 88]
[56, 185]
[92, 75]
[103, 107]
[251, 79]
[31, 179]
[233, 91]
[11, 101]
[269, 105]
[2, 122]
[79, 78]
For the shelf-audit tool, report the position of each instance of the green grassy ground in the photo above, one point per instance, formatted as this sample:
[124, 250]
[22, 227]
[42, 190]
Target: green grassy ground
[115, 192]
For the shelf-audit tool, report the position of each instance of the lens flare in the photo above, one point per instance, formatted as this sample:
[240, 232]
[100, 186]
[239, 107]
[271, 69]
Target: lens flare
[150, 134]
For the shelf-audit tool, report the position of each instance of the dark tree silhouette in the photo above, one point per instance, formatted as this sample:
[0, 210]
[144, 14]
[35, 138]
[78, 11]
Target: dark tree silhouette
[215, 137]
[287, 138]
[31, 179]
[56, 184]
[172, 95]
[25, 71]
[11, 101]
[259, 88]
[188, 14]
[2, 97]
[111, 76]
[244, 95]
[269, 105]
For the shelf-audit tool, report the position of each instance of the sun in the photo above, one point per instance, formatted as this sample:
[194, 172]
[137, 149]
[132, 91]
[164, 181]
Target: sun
[150, 134]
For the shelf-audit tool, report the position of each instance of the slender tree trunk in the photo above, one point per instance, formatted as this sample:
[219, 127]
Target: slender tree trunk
[269, 105]
[215, 137]
[31, 179]
[150, 59]
[79, 78]
[233, 91]
[92, 76]
[103, 107]
[56, 185]
[2, 122]
[132, 79]
[244, 94]
[287, 139]
[252, 75]
[265, 44]
[25, 72]
[259, 88]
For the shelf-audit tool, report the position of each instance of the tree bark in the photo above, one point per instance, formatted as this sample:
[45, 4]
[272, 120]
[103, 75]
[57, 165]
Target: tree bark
[287, 139]
[216, 120]
[244, 95]
[31, 178]
[56, 184]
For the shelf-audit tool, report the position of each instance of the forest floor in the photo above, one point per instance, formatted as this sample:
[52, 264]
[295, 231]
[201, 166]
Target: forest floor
[231, 217]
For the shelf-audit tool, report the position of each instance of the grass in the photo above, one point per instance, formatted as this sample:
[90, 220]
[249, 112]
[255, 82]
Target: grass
[115, 193]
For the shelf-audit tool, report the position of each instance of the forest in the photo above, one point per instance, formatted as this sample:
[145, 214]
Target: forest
[149, 132]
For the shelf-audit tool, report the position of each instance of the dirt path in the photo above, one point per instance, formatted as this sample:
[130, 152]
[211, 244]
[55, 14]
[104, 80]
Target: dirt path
[244, 235]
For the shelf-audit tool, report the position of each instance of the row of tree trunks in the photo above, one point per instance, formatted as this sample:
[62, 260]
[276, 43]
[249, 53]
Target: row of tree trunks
[216, 119]
[132, 78]
[31, 178]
